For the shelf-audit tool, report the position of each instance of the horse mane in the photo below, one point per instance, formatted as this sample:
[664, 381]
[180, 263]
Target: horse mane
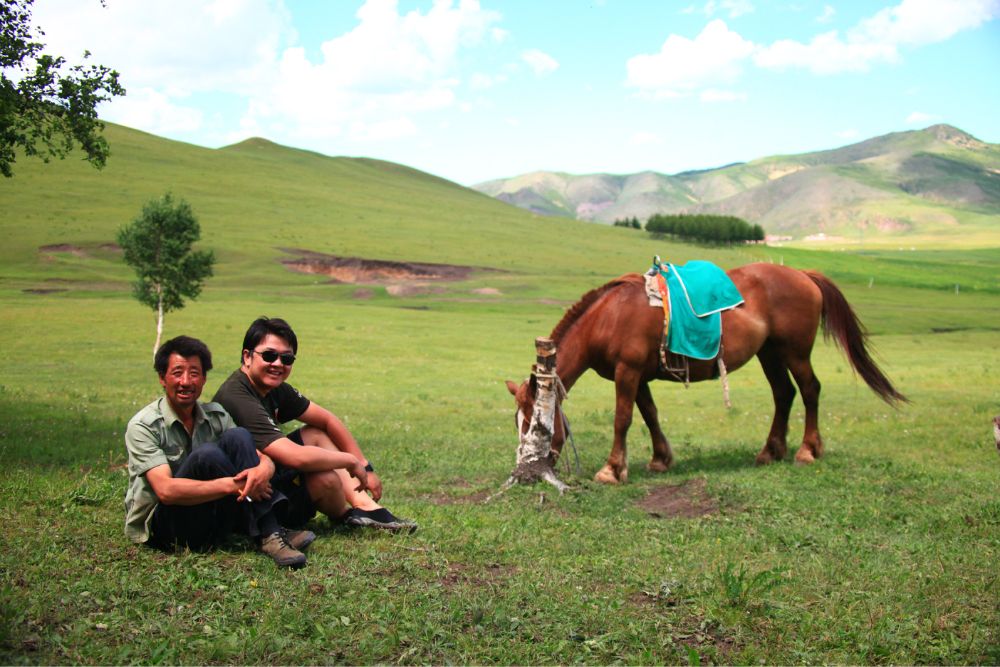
[587, 300]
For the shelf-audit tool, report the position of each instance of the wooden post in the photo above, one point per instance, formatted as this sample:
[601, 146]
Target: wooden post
[535, 445]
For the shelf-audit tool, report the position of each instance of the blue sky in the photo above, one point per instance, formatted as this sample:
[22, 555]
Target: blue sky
[475, 90]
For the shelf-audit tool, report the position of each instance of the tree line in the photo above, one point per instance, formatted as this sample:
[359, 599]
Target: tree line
[702, 228]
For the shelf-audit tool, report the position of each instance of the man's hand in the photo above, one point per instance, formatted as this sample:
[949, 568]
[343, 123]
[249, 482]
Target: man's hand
[256, 482]
[375, 486]
[358, 471]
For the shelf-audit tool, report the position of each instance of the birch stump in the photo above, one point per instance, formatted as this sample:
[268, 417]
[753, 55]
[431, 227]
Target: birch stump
[535, 445]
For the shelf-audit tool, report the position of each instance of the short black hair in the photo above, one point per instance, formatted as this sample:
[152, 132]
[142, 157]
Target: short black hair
[262, 326]
[186, 347]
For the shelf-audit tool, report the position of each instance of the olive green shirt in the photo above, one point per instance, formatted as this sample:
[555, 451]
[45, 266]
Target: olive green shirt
[156, 436]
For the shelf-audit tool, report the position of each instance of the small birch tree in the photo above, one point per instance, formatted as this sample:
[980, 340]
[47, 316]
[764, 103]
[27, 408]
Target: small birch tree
[157, 245]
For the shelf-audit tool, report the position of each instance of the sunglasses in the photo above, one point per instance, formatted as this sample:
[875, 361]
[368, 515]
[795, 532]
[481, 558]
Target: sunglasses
[270, 356]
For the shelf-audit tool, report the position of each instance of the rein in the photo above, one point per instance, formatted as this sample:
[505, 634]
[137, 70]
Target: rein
[572, 442]
[561, 395]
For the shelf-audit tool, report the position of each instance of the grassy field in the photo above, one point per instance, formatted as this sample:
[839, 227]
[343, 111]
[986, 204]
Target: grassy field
[884, 552]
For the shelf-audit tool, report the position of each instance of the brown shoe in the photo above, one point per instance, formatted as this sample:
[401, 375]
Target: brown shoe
[298, 539]
[275, 546]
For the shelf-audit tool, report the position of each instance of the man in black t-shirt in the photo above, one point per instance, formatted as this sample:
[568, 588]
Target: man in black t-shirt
[319, 466]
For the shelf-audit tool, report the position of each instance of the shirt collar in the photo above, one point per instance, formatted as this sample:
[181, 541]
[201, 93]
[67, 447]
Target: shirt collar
[169, 416]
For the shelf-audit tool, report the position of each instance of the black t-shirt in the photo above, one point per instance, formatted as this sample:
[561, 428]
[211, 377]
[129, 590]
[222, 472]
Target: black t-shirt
[260, 415]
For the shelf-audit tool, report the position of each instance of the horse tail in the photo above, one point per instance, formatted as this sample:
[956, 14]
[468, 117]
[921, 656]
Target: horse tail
[841, 323]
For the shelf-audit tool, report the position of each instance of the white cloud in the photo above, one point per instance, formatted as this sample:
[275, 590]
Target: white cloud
[367, 83]
[878, 39]
[716, 95]
[916, 22]
[849, 133]
[825, 54]
[386, 130]
[683, 65]
[176, 46]
[645, 139]
[483, 81]
[154, 112]
[827, 15]
[734, 8]
[540, 62]
[373, 78]
[920, 118]
[389, 51]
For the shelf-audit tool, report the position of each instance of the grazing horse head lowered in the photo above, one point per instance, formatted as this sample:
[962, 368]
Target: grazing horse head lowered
[613, 331]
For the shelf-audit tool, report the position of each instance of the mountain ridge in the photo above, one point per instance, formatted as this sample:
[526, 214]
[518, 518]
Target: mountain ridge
[912, 182]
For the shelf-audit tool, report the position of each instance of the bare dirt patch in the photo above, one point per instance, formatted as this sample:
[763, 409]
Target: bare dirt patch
[687, 501]
[413, 289]
[76, 251]
[357, 270]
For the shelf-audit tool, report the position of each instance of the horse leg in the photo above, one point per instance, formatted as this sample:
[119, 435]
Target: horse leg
[663, 457]
[616, 469]
[809, 386]
[783, 392]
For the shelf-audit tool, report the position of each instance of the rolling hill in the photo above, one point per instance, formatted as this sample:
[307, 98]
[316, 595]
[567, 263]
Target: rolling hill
[268, 210]
[294, 223]
[923, 185]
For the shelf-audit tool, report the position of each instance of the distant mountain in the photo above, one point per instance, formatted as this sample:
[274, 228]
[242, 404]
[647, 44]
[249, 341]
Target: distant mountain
[928, 182]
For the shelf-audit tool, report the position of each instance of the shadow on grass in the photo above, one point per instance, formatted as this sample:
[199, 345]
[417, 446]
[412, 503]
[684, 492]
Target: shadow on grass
[689, 460]
[43, 435]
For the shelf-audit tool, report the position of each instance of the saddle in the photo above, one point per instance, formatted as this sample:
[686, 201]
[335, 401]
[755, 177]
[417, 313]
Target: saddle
[693, 297]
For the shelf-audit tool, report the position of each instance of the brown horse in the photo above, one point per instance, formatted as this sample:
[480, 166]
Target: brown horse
[615, 331]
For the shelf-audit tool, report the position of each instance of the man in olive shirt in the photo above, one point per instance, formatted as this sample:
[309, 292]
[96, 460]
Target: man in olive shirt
[194, 477]
[319, 466]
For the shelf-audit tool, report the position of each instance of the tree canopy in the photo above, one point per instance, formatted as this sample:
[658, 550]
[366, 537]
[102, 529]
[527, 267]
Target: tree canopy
[705, 228]
[158, 245]
[45, 108]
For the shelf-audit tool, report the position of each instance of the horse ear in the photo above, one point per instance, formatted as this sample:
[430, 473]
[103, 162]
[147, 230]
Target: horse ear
[512, 388]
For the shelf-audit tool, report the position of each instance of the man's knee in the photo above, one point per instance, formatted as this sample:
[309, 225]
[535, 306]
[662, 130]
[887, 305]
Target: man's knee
[324, 485]
[324, 482]
[208, 461]
[238, 445]
[315, 437]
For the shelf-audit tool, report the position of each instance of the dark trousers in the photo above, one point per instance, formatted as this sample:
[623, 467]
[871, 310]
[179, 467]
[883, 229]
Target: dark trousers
[201, 527]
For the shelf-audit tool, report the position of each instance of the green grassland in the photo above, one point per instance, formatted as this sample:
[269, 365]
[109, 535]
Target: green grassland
[884, 552]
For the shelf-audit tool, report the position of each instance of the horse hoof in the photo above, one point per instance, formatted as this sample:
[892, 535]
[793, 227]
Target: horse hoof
[607, 476]
[804, 457]
[764, 458]
[657, 466]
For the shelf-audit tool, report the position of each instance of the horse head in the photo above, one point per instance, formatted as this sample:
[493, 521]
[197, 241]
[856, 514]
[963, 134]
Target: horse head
[524, 399]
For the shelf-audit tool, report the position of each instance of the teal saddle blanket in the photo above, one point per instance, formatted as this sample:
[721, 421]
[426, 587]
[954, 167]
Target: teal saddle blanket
[699, 291]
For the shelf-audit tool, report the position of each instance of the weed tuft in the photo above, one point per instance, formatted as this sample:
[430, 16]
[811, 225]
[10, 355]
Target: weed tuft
[740, 588]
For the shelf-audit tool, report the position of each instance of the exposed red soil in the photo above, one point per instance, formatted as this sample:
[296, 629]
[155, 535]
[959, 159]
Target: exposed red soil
[357, 270]
[687, 501]
[63, 247]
